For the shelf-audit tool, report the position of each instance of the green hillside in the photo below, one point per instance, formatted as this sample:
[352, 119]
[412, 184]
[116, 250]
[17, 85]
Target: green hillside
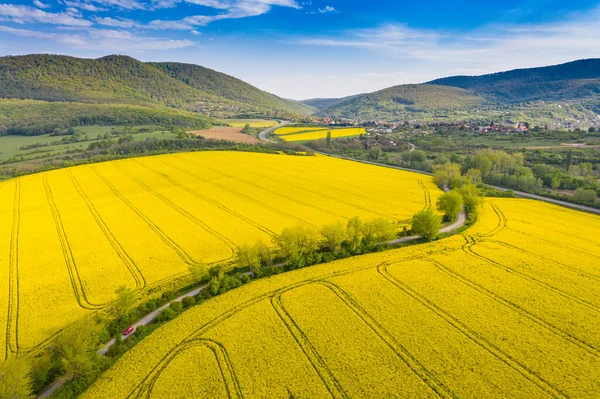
[571, 81]
[225, 86]
[33, 117]
[124, 80]
[401, 102]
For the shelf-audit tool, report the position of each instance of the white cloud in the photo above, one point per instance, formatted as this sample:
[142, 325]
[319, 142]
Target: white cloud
[103, 39]
[82, 5]
[117, 22]
[485, 50]
[39, 4]
[231, 9]
[122, 4]
[26, 14]
[327, 9]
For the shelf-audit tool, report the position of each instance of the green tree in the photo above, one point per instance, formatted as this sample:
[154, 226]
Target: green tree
[334, 234]
[328, 139]
[450, 204]
[378, 231]
[15, 380]
[265, 253]
[426, 224]
[126, 298]
[585, 196]
[247, 256]
[592, 129]
[445, 174]
[75, 348]
[296, 241]
[354, 233]
[198, 271]
[472, 197]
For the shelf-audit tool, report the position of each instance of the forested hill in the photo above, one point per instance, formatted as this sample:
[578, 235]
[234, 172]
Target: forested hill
[403, 102]
[125, 80]
[573, 80]
[225, 86]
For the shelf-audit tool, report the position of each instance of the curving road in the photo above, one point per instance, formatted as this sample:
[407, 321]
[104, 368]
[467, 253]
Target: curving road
[263, 135]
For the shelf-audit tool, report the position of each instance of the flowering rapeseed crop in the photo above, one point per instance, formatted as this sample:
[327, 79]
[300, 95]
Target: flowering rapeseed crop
[498, 311]
[69, 238]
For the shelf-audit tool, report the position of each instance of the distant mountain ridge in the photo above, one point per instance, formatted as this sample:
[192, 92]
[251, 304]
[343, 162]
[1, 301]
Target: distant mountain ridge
[522, 94]
[572, 80]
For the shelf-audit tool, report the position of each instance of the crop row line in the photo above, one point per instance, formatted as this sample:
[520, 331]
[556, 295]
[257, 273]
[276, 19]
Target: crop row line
[316, 183]
[328, 211]
[74, 276]
[13, 278]
[183, 255]
[467, 248]
[312, 355]
[134, 270]
[472, 335]
[237, 193]
[207, 199]
[553, 243]
[570, 268]
[184, 213]
[404, 354]
[516, 308]
[230, 380]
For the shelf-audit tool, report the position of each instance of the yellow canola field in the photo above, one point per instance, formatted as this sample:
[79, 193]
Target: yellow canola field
[69, 238]
[322, 134]
[251, 122]
[507, 309]
[293, 130]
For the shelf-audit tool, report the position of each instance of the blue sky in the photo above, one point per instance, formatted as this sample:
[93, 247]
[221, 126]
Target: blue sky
[312, 48]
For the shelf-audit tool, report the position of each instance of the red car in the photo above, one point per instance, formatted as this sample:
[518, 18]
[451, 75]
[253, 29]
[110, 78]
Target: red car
[128, 331]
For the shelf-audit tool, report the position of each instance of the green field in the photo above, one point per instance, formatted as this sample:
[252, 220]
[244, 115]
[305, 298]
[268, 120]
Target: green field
[10, 146]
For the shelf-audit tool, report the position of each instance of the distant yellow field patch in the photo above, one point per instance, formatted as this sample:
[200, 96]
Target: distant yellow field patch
[296, 129]
[322, 134]
[251, 122]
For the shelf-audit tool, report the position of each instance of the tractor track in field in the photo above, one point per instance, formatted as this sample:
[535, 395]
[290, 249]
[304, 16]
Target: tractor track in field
[318, 193]
[220, 237]
[183, 255]
[13, 279]
[230, 379]
[473, 335]
[207, 199]
[316, 183]
[276, 193]
[134, 270]
[332, 384]
[401, 352]
[74, 275]
[238, 194]
[515, 308]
